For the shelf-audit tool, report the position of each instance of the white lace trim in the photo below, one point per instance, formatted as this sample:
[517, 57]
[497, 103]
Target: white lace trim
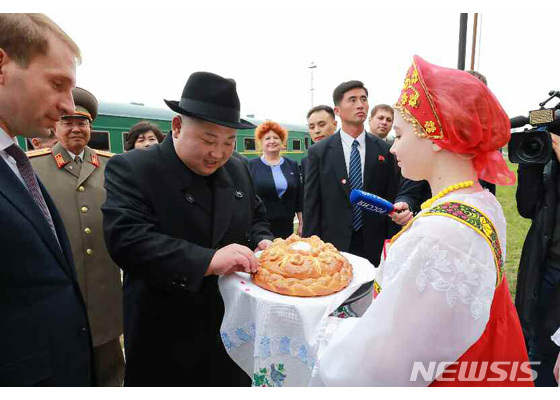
[445, 269]
[267, 346]
[433, 253]
[460, 278]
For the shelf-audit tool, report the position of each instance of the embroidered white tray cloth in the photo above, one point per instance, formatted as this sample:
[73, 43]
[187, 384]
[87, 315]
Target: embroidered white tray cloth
[273, 337]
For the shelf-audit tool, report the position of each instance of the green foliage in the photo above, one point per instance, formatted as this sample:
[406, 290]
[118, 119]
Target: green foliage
[517, 228]
[261, 379]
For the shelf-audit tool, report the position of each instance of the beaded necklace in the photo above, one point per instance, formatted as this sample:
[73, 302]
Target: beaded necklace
[271, 164]
[461, 185]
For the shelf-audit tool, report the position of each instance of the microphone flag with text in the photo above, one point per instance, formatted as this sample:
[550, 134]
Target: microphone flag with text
[371, 202]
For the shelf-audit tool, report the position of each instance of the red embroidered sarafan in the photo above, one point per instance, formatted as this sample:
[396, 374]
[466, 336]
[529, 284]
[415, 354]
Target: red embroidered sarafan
[499, 356]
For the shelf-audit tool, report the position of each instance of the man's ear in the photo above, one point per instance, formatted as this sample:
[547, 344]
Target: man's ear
[176, 124]
[337, 111]
[55, 129]
[3, 61]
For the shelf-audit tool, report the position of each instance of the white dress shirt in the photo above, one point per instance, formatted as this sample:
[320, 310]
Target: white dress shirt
[347, 141]
[5, 142]
[556, 337]
[73, 156]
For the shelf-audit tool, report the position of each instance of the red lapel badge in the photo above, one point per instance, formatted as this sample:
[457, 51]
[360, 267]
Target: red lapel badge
[381, 158]
[343, 181]
[95, 160]
[59, 160]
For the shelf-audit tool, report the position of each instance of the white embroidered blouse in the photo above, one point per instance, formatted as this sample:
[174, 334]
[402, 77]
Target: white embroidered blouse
[437, 283]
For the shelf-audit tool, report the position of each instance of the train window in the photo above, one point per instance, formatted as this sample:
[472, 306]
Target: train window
[99, 140]
[249, 144]
[124, 137]
[296, 144]
[306, 143]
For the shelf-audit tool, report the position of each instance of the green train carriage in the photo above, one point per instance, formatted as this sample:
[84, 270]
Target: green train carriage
[114, 120]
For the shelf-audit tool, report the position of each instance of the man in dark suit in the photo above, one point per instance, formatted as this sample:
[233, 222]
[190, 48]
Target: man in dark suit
[176, 216]
[44, 332]
[381, 121]
[321, 124]
[413, 193]
[351, 158]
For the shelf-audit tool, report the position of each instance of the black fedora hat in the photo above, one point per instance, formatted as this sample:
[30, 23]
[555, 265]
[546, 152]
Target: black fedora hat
[212, 98]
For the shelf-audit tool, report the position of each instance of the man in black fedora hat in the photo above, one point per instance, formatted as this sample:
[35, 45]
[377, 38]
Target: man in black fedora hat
[176, 216]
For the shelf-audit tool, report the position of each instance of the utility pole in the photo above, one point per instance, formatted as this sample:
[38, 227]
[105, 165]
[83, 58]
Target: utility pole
[474, 31]
[311, 68]
[462, 40]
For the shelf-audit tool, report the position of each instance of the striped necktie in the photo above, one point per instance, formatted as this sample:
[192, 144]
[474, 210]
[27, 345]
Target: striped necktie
[26, 170]
[355, 176]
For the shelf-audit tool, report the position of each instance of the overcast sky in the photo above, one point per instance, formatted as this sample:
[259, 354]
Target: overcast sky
[147, 57]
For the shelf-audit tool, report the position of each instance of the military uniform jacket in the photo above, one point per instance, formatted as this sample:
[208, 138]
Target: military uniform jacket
[78, 197]
[163, 230]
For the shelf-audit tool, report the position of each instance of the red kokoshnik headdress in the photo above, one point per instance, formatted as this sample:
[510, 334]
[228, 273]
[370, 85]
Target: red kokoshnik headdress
[460, 114]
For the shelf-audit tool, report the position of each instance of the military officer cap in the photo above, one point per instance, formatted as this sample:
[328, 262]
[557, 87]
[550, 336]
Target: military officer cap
[85, 104]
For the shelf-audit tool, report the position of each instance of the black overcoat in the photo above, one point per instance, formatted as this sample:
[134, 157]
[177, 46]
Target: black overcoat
[537, 199]
[163, 230]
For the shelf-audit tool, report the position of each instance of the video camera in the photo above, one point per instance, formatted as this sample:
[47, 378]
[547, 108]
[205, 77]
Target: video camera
[534, 145]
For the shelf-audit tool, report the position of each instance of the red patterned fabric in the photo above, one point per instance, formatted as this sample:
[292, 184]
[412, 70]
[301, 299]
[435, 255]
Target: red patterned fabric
[460, 114]
[501, 341]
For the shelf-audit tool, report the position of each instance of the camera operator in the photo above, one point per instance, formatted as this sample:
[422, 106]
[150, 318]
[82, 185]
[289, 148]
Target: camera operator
[538, 283]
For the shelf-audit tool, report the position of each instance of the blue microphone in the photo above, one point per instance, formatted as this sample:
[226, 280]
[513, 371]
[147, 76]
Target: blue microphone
[371, 202]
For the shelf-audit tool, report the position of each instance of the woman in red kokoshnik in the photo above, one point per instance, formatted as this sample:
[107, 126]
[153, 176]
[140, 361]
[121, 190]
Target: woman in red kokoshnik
[443, 293]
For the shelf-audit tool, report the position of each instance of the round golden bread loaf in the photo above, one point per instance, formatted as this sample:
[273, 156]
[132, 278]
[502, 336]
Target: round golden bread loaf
[303, 267]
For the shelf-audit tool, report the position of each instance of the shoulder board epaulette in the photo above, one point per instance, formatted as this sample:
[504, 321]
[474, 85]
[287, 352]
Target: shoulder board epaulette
[38, 152]
[104, 153]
